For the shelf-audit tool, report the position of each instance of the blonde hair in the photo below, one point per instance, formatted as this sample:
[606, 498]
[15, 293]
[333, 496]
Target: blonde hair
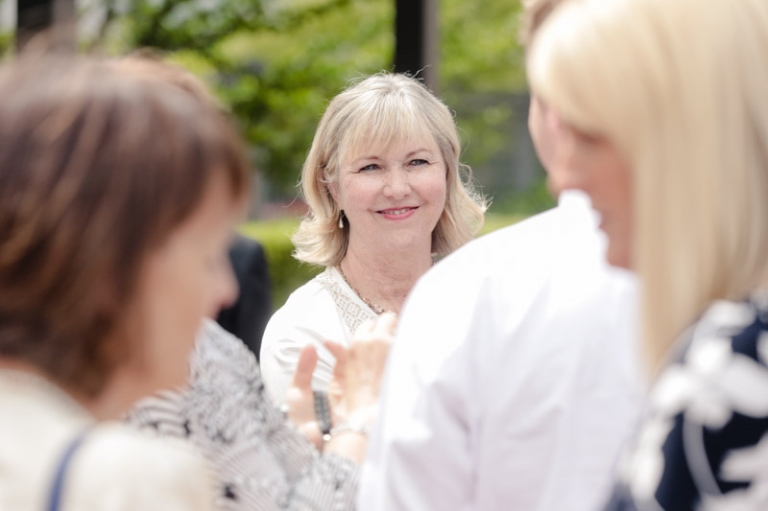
[679, 86]
[382, 109]
[535, 12]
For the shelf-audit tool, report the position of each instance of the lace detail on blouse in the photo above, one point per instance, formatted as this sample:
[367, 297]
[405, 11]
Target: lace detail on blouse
[262, 463]
[352, 312]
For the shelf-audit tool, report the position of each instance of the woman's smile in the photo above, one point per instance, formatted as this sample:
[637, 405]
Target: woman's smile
[398, 214]
[402, 183]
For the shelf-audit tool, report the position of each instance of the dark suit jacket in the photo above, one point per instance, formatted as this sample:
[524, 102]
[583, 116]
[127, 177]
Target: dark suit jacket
[247, 317]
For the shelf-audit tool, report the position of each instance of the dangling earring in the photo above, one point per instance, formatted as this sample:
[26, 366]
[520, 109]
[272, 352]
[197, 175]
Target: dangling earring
[341, 219]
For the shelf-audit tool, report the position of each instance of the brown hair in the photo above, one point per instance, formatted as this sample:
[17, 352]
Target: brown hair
[146, 62]
[97, 167]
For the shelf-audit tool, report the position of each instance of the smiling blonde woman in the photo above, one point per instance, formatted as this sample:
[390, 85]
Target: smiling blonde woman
[387, 196]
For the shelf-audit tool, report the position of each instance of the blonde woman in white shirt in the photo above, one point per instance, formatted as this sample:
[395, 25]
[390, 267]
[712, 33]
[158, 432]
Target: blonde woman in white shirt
[387, 195]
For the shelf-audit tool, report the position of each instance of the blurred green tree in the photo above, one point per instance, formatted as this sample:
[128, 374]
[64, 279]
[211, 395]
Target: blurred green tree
[276, 63]
[481, 63]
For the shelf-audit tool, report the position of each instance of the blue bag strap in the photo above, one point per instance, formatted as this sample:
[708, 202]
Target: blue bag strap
[54, 501]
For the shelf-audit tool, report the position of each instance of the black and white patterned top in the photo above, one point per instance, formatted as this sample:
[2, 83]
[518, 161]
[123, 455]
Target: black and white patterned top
[261, 461]
[704, 445]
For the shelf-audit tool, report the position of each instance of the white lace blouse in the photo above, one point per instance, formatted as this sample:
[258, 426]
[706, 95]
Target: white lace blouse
[262, 463]
[323, 309]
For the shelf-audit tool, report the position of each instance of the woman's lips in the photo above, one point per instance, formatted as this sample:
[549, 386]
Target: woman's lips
[397, 213]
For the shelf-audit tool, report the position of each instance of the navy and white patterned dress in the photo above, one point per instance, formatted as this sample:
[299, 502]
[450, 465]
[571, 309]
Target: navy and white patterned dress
[704, 445]
[260, 461]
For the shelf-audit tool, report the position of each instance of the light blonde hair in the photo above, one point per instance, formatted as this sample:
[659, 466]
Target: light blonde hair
[680, 87]
[533, 16]
[381, 110]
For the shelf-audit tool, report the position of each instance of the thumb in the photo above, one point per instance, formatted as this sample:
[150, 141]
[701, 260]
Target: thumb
[302, 378]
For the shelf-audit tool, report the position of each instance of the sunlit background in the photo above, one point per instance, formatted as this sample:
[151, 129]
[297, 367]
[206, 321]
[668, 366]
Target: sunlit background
[276, 63]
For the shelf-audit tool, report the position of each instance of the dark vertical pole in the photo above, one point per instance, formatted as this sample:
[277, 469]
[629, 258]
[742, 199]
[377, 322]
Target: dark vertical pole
[36, 16]
[416, 39]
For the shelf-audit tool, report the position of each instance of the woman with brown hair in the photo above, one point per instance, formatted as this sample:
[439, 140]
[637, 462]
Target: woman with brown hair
[260, 455]
[118, 194]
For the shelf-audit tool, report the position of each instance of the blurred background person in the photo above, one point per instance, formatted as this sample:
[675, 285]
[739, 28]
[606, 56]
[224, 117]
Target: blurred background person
[262, 461]
[514, 379]
[117, 198]
[247, 317]
[387, 196]
[663, 121]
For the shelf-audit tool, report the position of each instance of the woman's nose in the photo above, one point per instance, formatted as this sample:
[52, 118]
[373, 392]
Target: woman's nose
[397, 185]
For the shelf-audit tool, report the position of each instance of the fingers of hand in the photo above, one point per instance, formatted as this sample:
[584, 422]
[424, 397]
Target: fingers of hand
[340, 354]
[385, 326]
[337, 350]
[312, 432]
[301, 407]
[380, 328]
[374, 342]
[366, 360]
[364, 330]
[302, 378]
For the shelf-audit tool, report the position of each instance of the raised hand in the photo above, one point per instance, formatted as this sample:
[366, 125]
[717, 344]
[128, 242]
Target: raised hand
[299, 400]
[354, 391]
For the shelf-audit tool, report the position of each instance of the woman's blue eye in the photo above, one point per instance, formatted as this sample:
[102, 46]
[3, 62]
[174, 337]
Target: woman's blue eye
[419, 162]
[371, 166]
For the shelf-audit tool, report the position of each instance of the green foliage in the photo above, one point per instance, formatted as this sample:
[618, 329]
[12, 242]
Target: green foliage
[276, 63]
[525, 202]
[7, 42]
[287, 274]
[479, 47]
[282, 82]
[494, 221]
[481, 61]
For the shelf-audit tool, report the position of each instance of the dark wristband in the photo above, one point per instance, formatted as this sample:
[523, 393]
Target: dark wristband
[323, 414]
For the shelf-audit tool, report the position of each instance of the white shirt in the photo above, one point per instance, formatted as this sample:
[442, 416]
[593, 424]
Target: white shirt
[323, 309]
[115, 469]
[514, 379]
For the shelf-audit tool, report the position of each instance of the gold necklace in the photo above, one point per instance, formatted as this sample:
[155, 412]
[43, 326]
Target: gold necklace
[375, 308]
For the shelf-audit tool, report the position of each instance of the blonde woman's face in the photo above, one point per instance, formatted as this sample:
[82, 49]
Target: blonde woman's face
[594, 165]
[393, 197]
